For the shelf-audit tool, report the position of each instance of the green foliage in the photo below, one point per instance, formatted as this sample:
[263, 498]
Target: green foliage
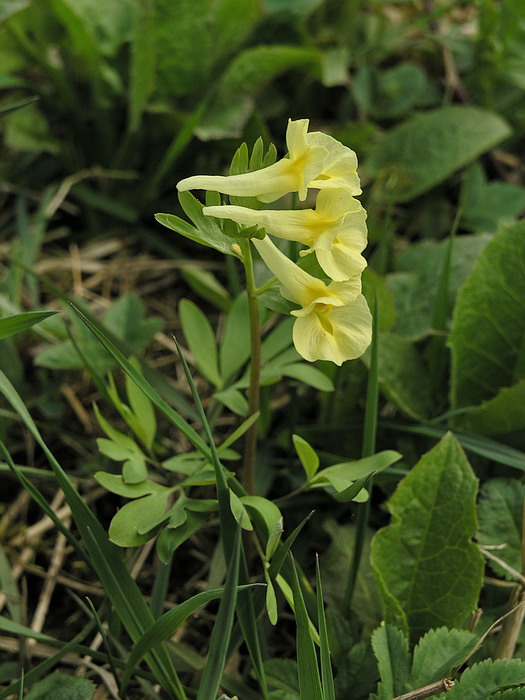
[500, 513]
[483, 681]
[487, 336]
[428, 569]
[62, 687]
[427, 149]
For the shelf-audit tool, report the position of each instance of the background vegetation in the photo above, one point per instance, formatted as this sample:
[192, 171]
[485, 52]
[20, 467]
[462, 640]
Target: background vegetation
[101, 114]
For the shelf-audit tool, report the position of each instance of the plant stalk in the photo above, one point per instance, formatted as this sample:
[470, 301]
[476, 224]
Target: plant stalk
[250, 443]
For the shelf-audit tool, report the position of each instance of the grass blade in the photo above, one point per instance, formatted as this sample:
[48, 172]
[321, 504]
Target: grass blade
[167, 625]
[103, 556]
[145, 386]
[245, 613]
[327, 676]
[478, 444]
[307, 667]
[222, 628]
[9, 325]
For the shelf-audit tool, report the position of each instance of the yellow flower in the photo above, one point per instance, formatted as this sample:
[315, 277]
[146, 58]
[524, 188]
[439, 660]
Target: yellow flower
[314, 160]
[334, 322]
[335, 229]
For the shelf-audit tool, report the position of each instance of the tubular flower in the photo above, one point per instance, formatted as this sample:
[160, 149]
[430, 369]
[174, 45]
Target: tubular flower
[334, 322]
[314, 160]
[335, 229]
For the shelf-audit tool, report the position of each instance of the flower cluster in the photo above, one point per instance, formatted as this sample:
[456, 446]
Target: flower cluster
[333, 321]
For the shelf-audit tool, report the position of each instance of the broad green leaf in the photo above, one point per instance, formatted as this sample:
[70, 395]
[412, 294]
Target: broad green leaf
[437, 653]
[186, 66]
[505, 413]
[500, 513]
[483, 680]
[403, 376]
[235, 344]
[414, 284]
[487, 205]
[279, 339]
[133, 524]
[9, 325]
[201, 340]
[126, 319]
[307, 455]
[487, 338]
[61, 686]
[391, 650]
[252, 69]
[425, 561]
[239, 511]
[428, 148]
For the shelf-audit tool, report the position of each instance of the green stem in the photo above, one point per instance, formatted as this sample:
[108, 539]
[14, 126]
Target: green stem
[250, 444]
[369, 443]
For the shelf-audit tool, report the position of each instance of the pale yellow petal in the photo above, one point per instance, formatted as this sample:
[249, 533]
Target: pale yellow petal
[296, 284]
[292, 225]
[275, 180]
[340, 166]
[335, 334]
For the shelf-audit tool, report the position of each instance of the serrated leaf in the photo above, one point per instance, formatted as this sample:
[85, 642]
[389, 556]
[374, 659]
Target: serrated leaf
[61, 686]
[201, 340]
[481, 681]
[487, 338]
[307, 455]
[391, 650]
[500, 512]
[425, 562]
[437, 653]
[429, 147]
